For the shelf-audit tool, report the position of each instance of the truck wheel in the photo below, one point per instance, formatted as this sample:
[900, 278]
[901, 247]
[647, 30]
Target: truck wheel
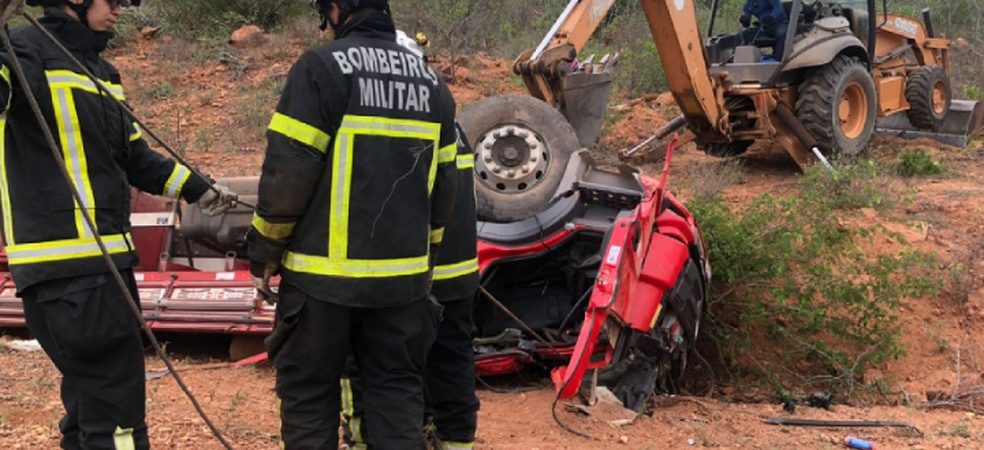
[837, 105]
[522, 146]
[725, 150]
[928, 92]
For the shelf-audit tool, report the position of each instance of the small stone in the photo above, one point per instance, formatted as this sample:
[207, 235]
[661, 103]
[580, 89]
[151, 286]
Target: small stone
[623, 439]
[691, 442]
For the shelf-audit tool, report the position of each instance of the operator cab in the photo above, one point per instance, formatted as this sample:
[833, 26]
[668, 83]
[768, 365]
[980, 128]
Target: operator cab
[757, 51]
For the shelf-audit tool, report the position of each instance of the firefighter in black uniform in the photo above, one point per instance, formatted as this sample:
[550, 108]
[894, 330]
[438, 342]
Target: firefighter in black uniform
[72, 306]
[449, 377]
[358, 182]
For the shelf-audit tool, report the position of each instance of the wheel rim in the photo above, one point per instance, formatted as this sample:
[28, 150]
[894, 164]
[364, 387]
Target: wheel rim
[853, 111]
[511, 159]
[939, 98]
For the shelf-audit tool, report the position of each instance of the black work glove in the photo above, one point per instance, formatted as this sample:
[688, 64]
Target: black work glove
[745, 20]
[262, 273]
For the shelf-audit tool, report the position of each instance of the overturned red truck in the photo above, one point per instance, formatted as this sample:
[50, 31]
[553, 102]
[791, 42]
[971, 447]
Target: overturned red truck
[612, 276]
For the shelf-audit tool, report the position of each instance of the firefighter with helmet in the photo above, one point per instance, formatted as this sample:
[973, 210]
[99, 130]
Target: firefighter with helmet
[358, 182]
[72, 305]
[449, 377]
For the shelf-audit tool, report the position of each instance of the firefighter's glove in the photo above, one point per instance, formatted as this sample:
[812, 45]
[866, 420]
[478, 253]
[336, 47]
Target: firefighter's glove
[10, 9]
[262, 273]
[745, 20]
[217, 200]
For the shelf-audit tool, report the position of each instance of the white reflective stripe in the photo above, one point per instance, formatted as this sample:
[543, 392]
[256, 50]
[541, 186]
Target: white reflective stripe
[69, 131]
[174, 184]
[8, 223]
[449, 271]
[61, 79]
[66, 249]
[353, 268]
[123, 439]
[466, 161]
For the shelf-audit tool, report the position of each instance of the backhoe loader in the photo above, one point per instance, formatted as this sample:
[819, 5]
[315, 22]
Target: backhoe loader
[823, 96]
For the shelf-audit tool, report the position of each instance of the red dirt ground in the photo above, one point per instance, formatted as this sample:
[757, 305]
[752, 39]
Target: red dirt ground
[214, 103]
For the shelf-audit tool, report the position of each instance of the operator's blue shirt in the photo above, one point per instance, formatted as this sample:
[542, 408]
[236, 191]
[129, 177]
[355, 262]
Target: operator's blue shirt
[765, 8]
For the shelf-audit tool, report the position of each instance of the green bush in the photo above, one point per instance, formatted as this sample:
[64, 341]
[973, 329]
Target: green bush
[216, 19]
[919, 162]
[795, 300]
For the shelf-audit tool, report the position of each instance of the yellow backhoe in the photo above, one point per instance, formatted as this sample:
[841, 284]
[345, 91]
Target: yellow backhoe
[845, 69]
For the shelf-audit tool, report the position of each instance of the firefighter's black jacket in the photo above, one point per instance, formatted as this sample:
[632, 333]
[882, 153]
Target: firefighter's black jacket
[359, 177]
[456, 273]
[43, 230]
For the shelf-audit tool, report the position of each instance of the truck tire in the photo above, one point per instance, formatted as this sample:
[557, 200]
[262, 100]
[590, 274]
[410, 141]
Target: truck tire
[928, 92]
[837, 104]
[522, 146]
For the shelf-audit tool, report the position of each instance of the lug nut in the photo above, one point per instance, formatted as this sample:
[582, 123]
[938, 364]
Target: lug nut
[488, 157]
[496, 170]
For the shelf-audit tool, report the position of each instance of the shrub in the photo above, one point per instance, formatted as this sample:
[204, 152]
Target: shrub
[919, 162]
[216, 19]
[796, 301]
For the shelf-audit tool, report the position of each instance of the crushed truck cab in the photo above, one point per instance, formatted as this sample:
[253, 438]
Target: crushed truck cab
[612, 276]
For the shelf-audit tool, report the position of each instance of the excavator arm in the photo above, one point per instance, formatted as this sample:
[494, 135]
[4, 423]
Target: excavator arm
[674, 28]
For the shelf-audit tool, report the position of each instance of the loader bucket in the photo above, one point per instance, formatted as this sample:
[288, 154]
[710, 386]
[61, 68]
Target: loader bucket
[585, 103]
[965, 119]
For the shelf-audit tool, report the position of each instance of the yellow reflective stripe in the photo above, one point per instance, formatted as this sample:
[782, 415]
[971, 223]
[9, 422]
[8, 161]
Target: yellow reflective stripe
[123, 439]
[355, 268]
[70, 134]
[5, 73]
[340, 196]
[465, 161]
[175, 183]
[448, 445]
[447, 154]
[8, 223]
[436, 236]
[449, 271]
[348, 410]
[399, 128]
[275, 231]
[66, 249]
[136, 134]
[66, 79]
[300, 132]
[278, 404]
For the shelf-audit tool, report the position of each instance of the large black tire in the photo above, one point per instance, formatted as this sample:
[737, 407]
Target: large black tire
[725, 150]
[928, 92]
[559, 142]
[839, 130]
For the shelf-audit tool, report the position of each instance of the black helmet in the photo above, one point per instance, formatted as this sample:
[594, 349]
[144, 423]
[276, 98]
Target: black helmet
[348, 7]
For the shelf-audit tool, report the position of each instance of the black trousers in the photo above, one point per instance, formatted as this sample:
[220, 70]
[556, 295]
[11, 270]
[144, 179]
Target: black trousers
[91, 335]
[309, 346]
[449, 380]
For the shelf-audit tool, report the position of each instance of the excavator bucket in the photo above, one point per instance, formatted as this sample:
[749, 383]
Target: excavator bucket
[965, 119]
[585, 103]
